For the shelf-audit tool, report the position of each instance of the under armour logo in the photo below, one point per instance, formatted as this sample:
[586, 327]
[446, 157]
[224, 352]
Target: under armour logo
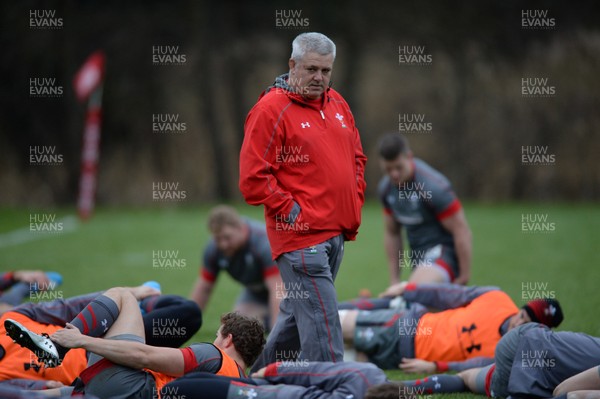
[104, 325]
[368, 334]
[35, 367]
[304, 125]
[249, 393]
[469, 330]
[473, 347]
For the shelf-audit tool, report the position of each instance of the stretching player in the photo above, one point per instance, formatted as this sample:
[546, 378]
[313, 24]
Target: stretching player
[241, 247]
[421, 199]
[471, 322]
[323, 380]
[18, 285]
[15, 391]
[17, 362]
[530, 361]
[290, 380]
[122, 365]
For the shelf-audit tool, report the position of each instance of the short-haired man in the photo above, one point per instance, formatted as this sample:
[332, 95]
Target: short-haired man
[240, 246]
[303, 160]
[420, 199]
[123, 365]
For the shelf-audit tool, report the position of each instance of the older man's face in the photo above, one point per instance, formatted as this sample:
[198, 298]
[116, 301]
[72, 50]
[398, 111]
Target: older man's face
[310, 75]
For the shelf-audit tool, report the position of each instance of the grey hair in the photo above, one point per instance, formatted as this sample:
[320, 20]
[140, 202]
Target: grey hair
[312, 42]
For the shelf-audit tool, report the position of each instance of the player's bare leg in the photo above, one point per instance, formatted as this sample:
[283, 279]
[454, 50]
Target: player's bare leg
[427, 274]
[129, 319]
[473, 379]
[96, 319]
[348, 321]
[584, 395]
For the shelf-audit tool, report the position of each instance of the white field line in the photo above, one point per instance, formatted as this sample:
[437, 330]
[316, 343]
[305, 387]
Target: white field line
[23, 235]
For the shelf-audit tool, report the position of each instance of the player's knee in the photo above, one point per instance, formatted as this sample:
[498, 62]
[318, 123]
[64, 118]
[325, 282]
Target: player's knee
[119, 294]
[191, 312]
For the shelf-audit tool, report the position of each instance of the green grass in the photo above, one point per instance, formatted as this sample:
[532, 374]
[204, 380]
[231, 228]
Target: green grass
[115, 248]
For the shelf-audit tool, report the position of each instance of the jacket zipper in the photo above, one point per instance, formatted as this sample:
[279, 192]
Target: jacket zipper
[323, 118]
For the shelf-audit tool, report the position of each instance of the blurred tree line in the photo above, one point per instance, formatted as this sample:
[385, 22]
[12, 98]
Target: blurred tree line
[470, 92]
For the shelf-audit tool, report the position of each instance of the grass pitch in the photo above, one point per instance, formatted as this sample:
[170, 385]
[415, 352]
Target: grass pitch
[116, 248]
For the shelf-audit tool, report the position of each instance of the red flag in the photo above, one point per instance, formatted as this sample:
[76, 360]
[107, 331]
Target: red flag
[88, 84]
[89, 76]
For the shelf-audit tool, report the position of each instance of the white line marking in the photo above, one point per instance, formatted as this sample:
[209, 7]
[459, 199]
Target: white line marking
[23, 235]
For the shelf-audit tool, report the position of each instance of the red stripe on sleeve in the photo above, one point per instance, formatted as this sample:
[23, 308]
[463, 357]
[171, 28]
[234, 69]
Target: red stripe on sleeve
[208, 276]
[271, 370]
[189, 360]
[450, 210]
[410, 287]
[441, 367]
[270, 271]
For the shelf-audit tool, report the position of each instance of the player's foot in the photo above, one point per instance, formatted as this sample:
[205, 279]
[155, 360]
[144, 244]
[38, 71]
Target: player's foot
[41, 345]
[153, 284]
[398, 303]
[54, 280]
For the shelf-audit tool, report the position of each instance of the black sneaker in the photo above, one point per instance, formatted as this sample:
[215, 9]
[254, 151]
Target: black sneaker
[41, 345]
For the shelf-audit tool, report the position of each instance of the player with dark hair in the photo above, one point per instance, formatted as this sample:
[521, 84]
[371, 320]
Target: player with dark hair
[463, 334]
[121, 363]
[241, 247]
[420, 199]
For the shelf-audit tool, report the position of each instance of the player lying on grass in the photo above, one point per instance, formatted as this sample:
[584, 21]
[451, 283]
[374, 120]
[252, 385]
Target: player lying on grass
[15, 392]
[531, 361]
[420, 199]
[289, 380]
[16, 286]
[323, 380]
[47, 317]
[121, 363]
[241, 247]
[463, 334]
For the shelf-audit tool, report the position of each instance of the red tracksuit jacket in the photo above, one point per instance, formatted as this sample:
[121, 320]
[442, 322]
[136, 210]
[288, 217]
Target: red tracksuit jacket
[308, 152]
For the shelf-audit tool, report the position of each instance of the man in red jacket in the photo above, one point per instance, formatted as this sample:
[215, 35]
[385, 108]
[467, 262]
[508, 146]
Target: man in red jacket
[302, 159]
